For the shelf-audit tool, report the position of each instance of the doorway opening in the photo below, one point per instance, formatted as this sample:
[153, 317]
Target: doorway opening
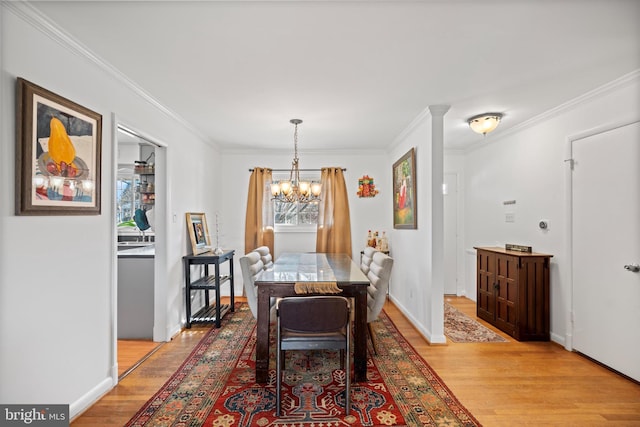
[450, 241]
[139, 239]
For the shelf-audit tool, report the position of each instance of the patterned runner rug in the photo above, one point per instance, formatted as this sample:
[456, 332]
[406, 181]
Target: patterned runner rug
[216, 386]
[461, 328]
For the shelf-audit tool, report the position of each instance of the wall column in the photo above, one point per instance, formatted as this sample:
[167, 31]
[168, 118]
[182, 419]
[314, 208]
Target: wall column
[437, 219]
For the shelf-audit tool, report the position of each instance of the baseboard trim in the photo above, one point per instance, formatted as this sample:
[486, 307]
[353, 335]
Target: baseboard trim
[79, 406]
[427, 335]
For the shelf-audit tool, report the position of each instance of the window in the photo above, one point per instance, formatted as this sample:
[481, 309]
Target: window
[295, 216]
[125, 196]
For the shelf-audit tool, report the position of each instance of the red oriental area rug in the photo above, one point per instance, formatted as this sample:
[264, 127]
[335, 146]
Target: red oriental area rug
[215, 386]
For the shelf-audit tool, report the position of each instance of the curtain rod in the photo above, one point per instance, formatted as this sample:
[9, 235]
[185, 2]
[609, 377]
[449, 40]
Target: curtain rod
[301, 170]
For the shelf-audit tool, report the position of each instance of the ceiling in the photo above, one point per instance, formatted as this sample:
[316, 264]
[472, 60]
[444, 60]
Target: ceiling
[357, 72]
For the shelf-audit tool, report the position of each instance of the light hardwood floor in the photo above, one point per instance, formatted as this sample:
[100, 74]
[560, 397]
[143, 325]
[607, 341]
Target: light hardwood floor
[502, 384]
[132, 352]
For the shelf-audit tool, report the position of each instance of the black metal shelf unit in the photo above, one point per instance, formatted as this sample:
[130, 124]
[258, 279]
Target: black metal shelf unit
[208, 313]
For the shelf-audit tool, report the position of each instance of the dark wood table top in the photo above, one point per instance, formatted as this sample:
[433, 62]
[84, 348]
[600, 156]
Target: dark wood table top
[291, 268]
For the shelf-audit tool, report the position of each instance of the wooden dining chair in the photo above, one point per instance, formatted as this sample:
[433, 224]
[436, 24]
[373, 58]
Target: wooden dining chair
[313, 323]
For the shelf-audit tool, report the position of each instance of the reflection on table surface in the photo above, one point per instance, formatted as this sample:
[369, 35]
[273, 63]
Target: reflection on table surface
[312, 267]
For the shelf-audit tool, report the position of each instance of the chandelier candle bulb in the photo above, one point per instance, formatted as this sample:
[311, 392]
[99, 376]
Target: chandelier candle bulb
[285, 186]
[316, 189]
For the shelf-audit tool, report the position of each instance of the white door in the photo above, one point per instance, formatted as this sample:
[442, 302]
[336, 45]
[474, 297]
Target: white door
[450, 194]
[606, 238]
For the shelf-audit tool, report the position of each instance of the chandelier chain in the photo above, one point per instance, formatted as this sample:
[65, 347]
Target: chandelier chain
[295, 142]
[294, 176]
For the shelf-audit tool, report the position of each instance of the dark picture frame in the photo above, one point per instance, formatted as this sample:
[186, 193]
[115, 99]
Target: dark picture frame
[58, 154]
[198, 232]
[405, 208]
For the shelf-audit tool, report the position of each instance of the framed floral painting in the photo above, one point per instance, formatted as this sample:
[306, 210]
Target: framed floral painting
[405, 213]
[58, 154]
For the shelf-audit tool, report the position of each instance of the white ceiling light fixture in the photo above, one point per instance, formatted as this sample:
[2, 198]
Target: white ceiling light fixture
[294, 190]
[485, 123]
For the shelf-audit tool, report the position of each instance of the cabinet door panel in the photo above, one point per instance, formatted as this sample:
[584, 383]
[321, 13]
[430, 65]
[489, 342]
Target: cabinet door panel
[486, 280]
[535, 298]
[507, 293]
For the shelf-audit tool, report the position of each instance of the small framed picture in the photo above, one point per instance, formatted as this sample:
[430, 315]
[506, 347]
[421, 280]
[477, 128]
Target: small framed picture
[58, 154]
[198, 232]
[404, 192]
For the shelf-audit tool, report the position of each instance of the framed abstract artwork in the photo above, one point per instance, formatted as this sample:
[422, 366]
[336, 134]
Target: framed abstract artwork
[405, 213]
[58, 154]
[198, 232]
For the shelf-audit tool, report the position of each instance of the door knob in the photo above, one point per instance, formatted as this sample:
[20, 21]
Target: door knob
[634, 268]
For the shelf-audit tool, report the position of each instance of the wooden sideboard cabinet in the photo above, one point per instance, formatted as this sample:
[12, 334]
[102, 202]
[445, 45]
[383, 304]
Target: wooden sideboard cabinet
[513, 292]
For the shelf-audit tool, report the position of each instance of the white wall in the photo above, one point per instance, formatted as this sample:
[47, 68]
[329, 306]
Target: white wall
[411, 285]
[373, 213]
[56, 272]
[528, 165]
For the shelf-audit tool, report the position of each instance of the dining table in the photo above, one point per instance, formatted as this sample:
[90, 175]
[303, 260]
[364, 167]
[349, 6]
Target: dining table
[312, 273]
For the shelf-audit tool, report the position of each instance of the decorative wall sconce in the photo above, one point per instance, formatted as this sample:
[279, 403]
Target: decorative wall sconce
[366, 187]
[485, 123]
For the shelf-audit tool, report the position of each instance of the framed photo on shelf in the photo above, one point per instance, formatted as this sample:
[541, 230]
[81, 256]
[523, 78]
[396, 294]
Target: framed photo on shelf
[58, 154]
[405, 212]
[198, 232]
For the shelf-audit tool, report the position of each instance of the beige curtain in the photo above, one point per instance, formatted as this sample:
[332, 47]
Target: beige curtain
[334, 223]
[258, 229]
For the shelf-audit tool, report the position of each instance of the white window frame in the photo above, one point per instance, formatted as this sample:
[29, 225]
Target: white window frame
[293, 228]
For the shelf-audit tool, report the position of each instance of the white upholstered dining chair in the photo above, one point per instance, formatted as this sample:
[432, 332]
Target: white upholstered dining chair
[251, 265]
[265, 255]
[365, 259]
[379, 275]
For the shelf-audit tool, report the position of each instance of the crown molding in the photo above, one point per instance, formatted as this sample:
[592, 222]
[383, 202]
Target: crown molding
[410, 128]
[30, 14]
[454, 151]
[562, 108]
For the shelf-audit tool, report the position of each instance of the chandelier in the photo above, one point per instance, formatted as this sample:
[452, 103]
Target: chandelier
[294, 190]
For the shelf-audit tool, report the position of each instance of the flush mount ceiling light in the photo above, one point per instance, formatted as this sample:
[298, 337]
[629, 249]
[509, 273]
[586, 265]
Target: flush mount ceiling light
[484, 123]
[293, 190]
